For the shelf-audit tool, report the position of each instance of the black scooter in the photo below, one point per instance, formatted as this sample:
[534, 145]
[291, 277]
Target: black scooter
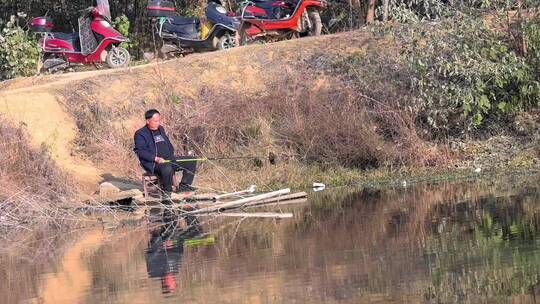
[181, 34]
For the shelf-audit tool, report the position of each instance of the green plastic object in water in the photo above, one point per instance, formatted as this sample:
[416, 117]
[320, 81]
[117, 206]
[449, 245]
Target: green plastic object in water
[209, 240]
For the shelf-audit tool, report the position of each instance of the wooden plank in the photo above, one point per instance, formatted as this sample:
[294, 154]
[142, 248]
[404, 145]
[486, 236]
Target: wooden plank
[181, 205]
[278, 199]
[280, 203]
[251, 215]
[175, 197]
[241, 202]
[202, 197]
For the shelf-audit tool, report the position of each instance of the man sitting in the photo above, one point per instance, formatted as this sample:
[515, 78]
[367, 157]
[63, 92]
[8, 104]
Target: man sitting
[156, 154]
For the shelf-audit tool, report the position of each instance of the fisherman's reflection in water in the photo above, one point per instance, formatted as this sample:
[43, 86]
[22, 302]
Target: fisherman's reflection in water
[166, 247]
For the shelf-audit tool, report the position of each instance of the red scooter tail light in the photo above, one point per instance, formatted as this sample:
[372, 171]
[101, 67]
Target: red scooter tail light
[161, 8]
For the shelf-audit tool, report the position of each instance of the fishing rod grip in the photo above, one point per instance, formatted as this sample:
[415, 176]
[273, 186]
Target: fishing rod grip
[187, 160]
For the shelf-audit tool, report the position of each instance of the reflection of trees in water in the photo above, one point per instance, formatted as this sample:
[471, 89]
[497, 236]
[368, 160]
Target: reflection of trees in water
[385, 242]
[485, 248]
[373, 238]
[434, 241]
[342, 246]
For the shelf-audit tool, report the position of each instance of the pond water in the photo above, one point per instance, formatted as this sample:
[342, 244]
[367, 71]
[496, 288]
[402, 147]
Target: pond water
[469, 241]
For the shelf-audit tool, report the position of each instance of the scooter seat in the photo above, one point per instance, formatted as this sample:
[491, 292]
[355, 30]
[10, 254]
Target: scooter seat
[66, 36]
[182, 27]
[72, 38]
[267, 5]
[181, 20]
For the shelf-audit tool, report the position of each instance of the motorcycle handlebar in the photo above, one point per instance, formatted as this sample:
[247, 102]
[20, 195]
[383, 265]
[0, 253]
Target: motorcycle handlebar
[245, 3]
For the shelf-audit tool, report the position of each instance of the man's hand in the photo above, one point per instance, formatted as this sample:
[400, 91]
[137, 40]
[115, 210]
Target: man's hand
[159, 160]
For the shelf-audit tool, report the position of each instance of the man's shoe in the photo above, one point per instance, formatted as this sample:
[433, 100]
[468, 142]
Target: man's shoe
[185, 188]
[166, 199]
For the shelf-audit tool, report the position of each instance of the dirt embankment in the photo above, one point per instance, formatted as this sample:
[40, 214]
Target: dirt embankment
[283, 96]
[48, 107]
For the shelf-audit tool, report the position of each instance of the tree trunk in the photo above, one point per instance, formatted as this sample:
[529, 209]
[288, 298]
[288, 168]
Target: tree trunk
[354, 7]
[521, 40]
[370, 17]
[386, 3]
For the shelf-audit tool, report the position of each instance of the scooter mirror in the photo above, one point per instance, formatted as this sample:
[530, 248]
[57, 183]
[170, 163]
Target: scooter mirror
[104, 9]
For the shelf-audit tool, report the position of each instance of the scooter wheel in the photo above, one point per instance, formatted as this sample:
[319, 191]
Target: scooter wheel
[226, 42]
[118, 57]
[316, 23]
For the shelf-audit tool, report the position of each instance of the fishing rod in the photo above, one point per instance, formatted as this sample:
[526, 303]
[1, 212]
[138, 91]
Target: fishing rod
[271, 158]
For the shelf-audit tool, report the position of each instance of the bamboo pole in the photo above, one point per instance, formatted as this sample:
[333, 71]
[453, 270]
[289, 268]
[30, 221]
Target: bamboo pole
[254, 214]
[241, 202]
[294, 198]
[280, 203]
[282, 198]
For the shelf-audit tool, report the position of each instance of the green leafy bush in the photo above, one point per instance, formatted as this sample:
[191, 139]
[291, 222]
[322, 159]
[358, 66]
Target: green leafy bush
[19, 52]
[411, 11]
[122, 25]
[465, 74]
[415, 10]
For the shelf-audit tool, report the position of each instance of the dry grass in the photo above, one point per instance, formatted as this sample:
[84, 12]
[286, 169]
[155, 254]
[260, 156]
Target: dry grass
[325, 115]
[322, 110]
[331, 126]
[34, 191]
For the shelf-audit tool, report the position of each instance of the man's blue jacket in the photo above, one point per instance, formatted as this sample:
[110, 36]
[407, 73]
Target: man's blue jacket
[146, 149]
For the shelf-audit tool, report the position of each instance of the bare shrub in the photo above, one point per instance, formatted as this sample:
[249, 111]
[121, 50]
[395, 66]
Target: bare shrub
[102, 135]
[34, 191]
[332, 126]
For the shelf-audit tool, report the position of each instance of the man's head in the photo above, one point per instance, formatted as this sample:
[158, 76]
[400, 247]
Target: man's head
[153, 119]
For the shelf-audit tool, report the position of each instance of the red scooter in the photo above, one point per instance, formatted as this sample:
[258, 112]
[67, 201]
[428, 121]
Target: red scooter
[267, 9]
[96, 42]
[267, 20]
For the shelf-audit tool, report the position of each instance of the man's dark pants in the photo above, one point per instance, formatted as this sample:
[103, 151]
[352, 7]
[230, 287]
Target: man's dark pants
[166, 172]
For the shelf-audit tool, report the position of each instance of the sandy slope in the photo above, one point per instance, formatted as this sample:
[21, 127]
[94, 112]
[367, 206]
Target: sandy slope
[39, 103]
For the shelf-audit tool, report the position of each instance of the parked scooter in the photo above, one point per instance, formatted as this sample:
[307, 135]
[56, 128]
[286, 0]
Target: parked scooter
[265, 9]
[96, 42]
[271, 20]
[181, 34]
